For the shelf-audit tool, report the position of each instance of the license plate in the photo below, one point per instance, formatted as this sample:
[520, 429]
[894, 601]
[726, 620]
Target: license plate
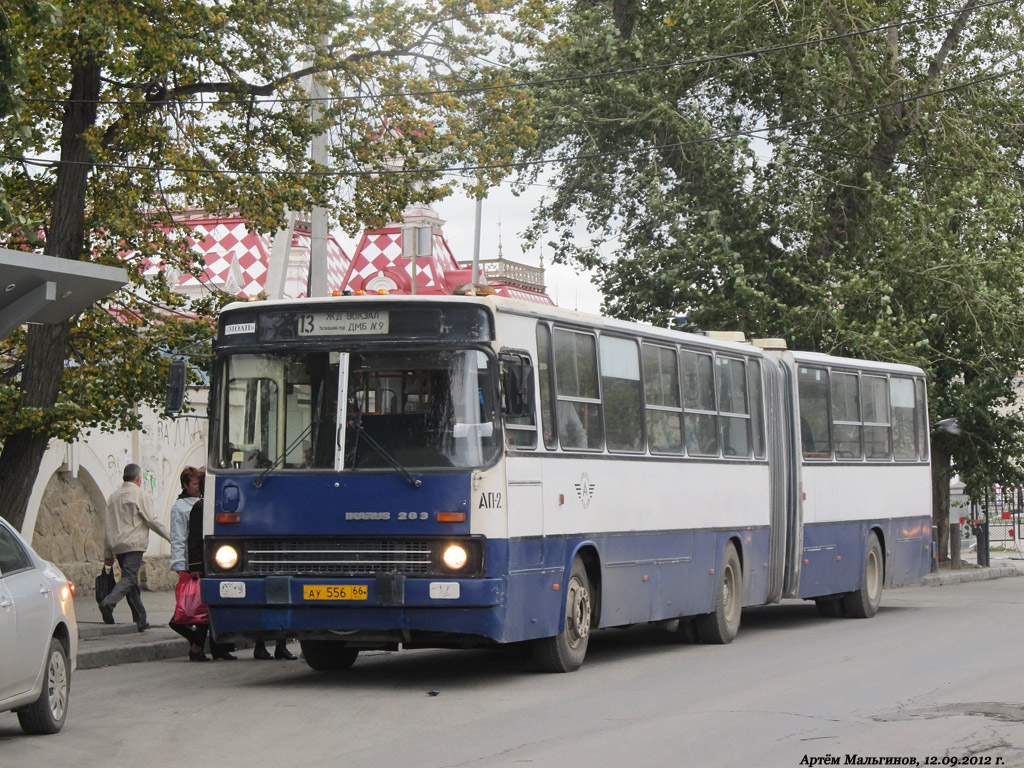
[232, 589]
[334, 592]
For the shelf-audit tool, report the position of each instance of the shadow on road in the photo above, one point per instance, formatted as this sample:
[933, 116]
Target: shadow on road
[435, 670]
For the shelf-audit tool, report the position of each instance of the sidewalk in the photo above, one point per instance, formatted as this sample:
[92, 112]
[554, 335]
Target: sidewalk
[104, 645]
[1001, 565]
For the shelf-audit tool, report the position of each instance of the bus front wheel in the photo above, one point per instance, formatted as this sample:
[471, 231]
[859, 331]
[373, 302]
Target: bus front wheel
[863, 603]
[328, 655]
[565, 651]
[721, 625]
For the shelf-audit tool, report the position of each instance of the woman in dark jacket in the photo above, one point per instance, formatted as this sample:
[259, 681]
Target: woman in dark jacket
[196, 634]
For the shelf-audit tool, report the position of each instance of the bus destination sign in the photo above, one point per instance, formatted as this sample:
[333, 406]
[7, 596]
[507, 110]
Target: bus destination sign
[343, 323]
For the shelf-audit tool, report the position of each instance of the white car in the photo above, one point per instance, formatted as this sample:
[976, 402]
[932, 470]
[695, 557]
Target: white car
[38, 636]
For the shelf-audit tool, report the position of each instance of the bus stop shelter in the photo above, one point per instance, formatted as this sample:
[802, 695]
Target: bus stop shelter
[44, 289]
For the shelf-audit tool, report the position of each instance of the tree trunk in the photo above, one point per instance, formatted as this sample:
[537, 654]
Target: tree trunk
[45, 349]
[940, 502]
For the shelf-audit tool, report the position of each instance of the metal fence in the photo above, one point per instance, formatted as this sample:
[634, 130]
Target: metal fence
[997, 517]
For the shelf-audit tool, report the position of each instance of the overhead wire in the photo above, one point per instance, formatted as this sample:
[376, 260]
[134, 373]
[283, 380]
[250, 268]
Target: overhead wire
[521, 164]
[469, 90]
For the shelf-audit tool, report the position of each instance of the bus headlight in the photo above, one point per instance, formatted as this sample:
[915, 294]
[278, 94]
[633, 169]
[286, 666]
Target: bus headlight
[455, 557]
[226, 557]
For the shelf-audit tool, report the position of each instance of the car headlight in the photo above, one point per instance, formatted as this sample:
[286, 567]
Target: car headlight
[226, 557]
[455, 557]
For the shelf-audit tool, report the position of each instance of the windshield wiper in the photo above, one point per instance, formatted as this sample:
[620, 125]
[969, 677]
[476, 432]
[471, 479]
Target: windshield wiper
[315, 423]
[383, 452]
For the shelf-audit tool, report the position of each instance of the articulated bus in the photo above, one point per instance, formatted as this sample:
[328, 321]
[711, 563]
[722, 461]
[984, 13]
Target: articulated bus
[460, 471]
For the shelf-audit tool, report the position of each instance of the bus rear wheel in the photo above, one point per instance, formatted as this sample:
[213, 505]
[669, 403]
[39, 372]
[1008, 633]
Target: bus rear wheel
[683, 630]
[831, 607]
[721, 625]
[863, 603]
[565, 651]
[328, 655]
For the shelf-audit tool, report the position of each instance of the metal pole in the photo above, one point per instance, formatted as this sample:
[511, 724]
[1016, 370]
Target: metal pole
[318, 231]
[982, 529]
[476, 242]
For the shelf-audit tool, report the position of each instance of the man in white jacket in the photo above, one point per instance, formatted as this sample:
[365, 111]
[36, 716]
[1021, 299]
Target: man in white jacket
[126, 526]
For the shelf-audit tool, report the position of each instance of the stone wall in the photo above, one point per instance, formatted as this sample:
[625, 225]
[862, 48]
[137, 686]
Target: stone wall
[69, 529]
[69, 533]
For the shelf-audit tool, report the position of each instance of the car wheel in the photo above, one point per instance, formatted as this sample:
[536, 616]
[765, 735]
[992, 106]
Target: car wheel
[48, 712]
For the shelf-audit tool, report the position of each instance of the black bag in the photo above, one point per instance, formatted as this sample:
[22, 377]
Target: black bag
[105, 583]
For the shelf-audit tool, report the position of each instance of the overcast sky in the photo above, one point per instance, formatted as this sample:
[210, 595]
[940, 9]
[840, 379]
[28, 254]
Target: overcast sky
[565, 286]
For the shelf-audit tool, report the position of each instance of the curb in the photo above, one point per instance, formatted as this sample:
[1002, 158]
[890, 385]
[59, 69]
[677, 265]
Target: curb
[123, 644]
[153, 651]
[963, 576]
[109, 646]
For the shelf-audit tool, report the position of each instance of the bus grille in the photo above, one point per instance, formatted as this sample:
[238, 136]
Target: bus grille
[348, 557]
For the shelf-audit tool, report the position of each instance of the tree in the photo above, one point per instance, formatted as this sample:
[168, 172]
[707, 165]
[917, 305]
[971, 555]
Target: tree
[132, 110]
[852, 186]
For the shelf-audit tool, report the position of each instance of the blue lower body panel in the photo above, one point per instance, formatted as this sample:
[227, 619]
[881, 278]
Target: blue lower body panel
[833, 554]
[637, 577]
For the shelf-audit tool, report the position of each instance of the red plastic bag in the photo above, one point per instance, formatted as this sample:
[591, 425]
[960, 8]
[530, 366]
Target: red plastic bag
[188, 608]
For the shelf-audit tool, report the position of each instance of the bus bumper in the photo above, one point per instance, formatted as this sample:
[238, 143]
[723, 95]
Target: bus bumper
[284, 605]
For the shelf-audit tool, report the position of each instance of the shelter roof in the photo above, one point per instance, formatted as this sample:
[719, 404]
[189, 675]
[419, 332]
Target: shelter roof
[35, 288]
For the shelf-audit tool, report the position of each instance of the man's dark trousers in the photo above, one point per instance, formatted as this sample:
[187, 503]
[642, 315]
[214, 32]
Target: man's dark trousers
[128, 585]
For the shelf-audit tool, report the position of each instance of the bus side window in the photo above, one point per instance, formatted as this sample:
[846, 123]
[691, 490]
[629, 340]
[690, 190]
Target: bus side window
[661, 393]
[732, 404]
[814, 413]
[921, 415]
[876, 417]
[517, 401]
[700, 419]
[901, 402]
[754, 390]
[621, 395]
[544, 371]
[577, 395]
[846, 421]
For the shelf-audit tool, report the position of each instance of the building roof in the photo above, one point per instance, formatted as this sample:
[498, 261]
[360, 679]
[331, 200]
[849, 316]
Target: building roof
[237, 258]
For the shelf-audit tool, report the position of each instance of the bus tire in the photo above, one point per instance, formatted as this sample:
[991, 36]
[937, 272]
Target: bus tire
[721, 625]
[683, 631]
[328, 655]
[863, 603]
[831, 607]
[565, 651]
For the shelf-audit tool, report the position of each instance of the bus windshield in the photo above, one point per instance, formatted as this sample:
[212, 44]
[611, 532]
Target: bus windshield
[424, 409]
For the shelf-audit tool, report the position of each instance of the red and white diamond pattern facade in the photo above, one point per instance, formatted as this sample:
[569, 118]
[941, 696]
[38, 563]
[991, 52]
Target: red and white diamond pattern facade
[237, 259]
[378, 265]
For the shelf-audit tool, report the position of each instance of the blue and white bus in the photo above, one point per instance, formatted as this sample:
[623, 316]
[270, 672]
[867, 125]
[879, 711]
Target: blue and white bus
[413, 471]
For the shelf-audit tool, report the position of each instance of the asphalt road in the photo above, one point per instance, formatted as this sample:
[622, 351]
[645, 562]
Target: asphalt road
[935, 676]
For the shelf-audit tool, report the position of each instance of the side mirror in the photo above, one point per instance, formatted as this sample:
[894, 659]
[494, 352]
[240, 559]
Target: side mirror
[176, 378]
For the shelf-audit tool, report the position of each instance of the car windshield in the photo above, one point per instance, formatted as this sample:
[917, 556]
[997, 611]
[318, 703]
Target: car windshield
[420, 408]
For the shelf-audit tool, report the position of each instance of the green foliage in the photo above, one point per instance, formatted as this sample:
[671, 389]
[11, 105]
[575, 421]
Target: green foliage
[187, 104]
[858, 196]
